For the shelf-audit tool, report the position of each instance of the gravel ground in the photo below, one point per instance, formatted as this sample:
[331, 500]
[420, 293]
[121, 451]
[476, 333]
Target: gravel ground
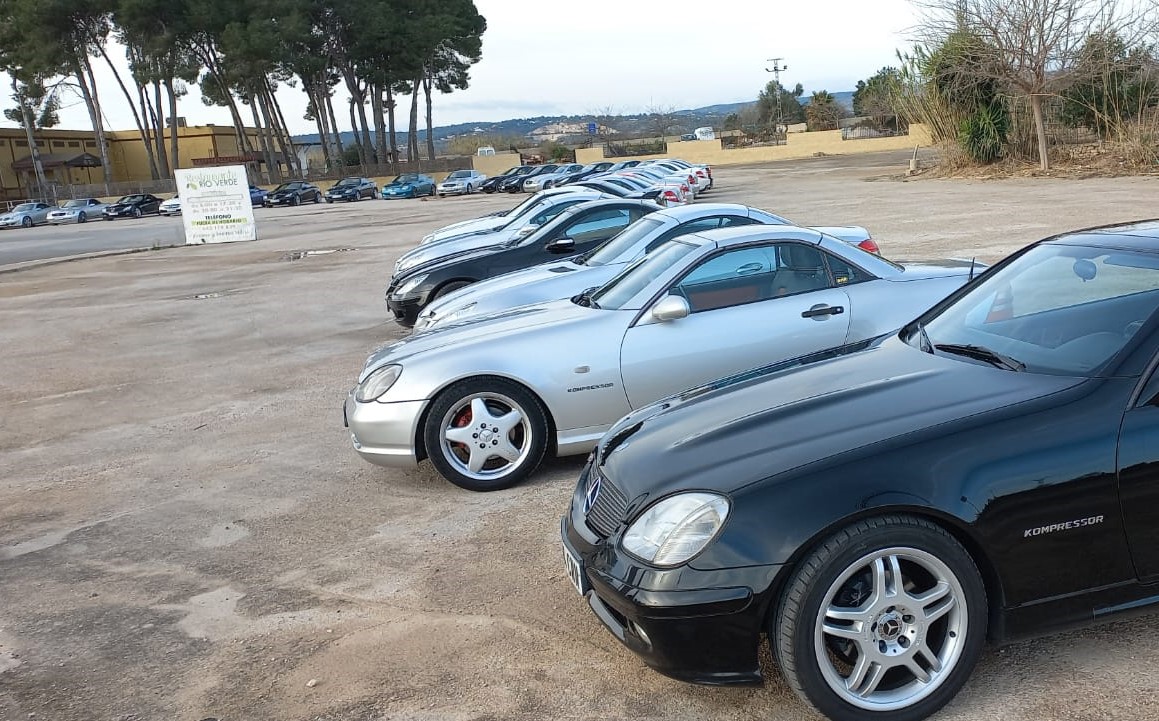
[185, 532]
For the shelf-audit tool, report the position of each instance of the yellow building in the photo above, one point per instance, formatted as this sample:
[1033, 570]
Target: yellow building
[71, 157]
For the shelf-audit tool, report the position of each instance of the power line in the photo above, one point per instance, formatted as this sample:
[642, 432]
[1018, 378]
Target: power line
[776, 71]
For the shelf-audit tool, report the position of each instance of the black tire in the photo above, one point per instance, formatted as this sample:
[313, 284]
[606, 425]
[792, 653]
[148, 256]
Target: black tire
[470, 189]
[500, 397]
[450, 288]
[432, 193]
[295, 200]
[329, 201]
[793, 628]
[82, 218]
[26, 222]
[317, 197]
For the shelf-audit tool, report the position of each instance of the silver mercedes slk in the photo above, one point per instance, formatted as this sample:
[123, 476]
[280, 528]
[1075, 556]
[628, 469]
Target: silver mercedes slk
[484, 399]
[565, 278]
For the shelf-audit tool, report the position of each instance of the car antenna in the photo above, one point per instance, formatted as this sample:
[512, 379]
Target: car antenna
[972, 269]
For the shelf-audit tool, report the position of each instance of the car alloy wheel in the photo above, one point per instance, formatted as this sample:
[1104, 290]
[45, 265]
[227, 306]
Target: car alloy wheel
[295, 200]
[470, 189]
[884, 620]
[317, 197]
[137, 212]
[486, 434]
[432, 193]
[26, 222]
[82, 217]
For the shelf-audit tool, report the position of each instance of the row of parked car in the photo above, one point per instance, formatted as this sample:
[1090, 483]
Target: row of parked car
[136, 205]
[677, 181]
[877, 466]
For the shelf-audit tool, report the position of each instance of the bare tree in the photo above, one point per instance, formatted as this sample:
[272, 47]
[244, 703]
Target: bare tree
[606, 119]
[661, 119]
[1034, 47]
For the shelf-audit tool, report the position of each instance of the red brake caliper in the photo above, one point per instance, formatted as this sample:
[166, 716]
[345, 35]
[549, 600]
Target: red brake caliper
[461, 421]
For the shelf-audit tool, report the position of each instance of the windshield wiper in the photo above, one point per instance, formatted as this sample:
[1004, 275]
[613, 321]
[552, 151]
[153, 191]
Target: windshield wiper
[585, 298]
[981, 353]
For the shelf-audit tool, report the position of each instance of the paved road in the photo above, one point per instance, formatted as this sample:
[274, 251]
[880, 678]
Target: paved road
[186, 532]
[18, 245]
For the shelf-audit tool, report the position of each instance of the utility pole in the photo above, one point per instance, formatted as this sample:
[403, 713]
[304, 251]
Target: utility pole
[776, 71]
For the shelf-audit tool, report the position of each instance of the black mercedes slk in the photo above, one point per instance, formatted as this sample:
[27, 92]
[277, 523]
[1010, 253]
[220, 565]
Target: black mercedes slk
[880, 511]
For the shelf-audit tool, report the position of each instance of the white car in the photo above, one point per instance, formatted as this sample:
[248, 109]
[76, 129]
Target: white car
[77, 210]
[567, 277]
[520, 226]
[460, 182]
[545, 181]
[26, 215]
[494, 221]
[171, 206]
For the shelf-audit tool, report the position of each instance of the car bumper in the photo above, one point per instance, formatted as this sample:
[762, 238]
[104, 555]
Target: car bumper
[333, 198]
[452, 190]
[270, 202]
[9, 224]
[399, 194]
[384, 433]
[406, 309]
[64, 220]
[700, 626]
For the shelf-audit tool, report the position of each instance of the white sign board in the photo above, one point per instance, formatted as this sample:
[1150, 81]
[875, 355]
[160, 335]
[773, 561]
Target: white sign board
[215, 205]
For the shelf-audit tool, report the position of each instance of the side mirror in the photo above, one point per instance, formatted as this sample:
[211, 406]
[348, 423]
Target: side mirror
[671, 307]
[560, 245]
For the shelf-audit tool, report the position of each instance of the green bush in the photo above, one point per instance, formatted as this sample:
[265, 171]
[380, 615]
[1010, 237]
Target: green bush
[983, 133]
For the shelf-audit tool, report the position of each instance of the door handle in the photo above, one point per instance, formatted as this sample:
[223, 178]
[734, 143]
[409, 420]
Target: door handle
[748, 268]
[822, 310]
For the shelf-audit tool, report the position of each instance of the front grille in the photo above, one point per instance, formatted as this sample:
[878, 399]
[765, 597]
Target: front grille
[607, 512]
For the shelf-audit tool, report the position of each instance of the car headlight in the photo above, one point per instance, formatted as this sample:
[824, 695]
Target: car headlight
[677, 528]
[377, 383]
[410, 284]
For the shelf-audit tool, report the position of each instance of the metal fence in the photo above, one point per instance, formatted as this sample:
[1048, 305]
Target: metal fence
[861, 132]
[56, 192]
[384, 170]
[752, 136]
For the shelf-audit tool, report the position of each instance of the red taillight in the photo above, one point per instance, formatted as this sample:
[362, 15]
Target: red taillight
[669, 196]
[684, 188]
[700, 173]
[870, 245]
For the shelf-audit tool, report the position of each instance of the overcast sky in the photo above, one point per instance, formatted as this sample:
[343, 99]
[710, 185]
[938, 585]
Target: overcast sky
[626, 55]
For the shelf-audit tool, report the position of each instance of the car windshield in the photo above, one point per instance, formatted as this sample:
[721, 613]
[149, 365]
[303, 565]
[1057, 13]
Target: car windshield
[347, 183]
[406, 178]
[1057, 309]
[287, 186]
[525, 207]
[76, 203]
[619, 291]
[524, 170]
[131, 199]
[24, 206]
[615, 249]
[459, 174]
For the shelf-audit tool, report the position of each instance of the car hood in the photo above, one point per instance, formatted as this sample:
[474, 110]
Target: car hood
[503, 327]
[506, 282]
[466, 227]
[756, 425]
[427, 255]
[342, 191]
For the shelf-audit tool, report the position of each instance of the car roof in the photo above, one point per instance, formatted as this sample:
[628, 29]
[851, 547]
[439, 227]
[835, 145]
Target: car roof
[1140, 235]
[701, 210]
[604, 202]
[739, 235]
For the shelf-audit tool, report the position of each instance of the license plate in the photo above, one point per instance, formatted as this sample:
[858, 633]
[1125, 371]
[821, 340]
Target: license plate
[575, 571]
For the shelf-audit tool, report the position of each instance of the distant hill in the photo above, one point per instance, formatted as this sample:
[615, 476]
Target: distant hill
[688, 120]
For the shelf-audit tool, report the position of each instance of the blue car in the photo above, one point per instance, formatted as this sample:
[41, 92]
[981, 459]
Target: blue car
[257, 195]
[409, 185]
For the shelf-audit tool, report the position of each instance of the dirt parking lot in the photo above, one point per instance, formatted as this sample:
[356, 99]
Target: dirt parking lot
[185, 532]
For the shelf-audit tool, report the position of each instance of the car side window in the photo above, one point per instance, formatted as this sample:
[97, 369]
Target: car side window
[549, 213]
[843, 273]
[599, 225]
[731, 278]
[800, 269]
[695, 226]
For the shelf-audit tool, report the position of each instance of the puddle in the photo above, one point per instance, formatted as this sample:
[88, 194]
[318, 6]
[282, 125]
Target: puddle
[216, 294]
[299, 254]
